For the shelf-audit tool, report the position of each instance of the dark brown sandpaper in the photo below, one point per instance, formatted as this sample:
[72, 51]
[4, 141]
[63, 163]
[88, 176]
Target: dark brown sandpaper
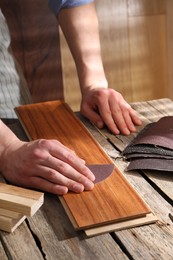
[147, 155]
[159, 133]
[101, 171]
[151, 164]
[147, 149]
[152, 148]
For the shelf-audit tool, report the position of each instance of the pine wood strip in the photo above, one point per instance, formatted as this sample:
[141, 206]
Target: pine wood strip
[10, 220]
[147, 219]
[111, 200]
[19, 199]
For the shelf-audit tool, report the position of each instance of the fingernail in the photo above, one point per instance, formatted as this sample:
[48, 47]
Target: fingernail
[77, 187]
[127, 132]
[89, 174]
[89, 185]
[92, 177]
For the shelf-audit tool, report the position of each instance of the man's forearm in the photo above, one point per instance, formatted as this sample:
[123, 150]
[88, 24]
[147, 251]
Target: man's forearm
[80, 26]
[6, 138]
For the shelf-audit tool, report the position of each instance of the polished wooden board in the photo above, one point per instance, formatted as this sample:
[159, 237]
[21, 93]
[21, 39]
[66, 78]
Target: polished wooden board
[111, 200]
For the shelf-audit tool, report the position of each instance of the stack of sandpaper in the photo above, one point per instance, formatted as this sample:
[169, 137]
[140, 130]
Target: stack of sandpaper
[16, 204]
[152, 148]
[113, 204]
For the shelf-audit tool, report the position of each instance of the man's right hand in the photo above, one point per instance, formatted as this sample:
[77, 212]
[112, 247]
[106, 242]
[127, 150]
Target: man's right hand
[45, 165]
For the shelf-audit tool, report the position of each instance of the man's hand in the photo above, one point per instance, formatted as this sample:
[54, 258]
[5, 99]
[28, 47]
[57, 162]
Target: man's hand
[107, 106]
[45, 165]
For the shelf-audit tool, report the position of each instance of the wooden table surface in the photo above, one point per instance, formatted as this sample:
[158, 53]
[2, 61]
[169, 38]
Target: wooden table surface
[50, 235]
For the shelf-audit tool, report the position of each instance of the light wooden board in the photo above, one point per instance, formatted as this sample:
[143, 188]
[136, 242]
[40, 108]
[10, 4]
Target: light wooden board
[148, 219]
[10, 220]
[20, 200]
[111, 200]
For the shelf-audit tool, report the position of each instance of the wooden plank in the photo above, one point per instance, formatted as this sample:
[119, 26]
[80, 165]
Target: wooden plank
[147, 219]
[25, 245]
[21, 244]
[2, 253]
[10, 220]
[108, 202]
[120, 225]
[20, 200]
[63, 240]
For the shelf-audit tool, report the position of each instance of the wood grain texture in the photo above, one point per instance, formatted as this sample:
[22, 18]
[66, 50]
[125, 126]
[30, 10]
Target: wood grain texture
[35, 45]
[127, 224]
[143, 7]
[111, 200]
[10, 220]
[2, 252]
[148, 48]
[21, 244]
[20, 200]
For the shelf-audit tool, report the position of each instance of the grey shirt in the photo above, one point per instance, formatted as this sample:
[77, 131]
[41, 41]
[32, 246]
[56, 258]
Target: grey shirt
[13, 89]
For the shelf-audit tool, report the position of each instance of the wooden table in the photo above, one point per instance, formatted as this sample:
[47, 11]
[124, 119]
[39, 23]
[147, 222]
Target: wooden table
[50, 235]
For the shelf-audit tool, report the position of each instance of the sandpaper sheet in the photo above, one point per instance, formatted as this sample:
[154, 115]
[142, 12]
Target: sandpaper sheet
[101, 171]
[159, 133]
[152, 148]
[147, 149]
[158, 164]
